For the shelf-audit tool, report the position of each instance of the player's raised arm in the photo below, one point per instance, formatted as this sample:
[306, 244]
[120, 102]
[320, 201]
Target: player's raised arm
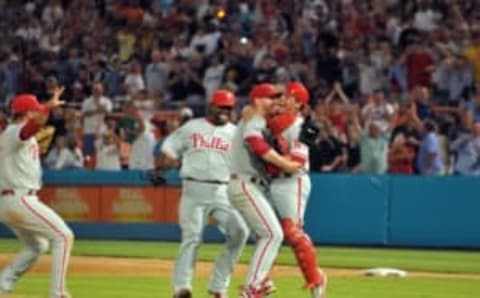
[20, 178]
[30, 115]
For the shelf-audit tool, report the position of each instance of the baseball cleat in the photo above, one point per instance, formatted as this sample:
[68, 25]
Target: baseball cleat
[6, 284]
[251, 292]
[183, 293]
[218, 294]
[269, 287]
[319, 291]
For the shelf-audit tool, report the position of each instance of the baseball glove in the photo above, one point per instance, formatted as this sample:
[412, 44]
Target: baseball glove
[44, 138]
[157, 177]
[309, 131]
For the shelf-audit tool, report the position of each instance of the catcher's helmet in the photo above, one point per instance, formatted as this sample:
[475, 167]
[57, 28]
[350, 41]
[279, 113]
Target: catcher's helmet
[299, 91]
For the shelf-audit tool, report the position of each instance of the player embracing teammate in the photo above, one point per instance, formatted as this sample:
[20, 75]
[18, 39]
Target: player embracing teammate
[269, 178]
[289, 193]
[260, 167]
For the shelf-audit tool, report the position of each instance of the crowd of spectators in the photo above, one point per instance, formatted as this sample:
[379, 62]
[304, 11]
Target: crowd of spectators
[393, 82]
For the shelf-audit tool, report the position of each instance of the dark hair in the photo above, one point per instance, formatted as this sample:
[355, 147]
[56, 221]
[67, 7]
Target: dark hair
[430, 125]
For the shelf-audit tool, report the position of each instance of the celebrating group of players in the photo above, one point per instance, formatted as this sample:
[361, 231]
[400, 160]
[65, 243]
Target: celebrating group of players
[250, 177]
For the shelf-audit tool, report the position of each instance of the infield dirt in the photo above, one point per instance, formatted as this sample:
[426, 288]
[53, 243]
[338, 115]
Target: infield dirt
[81, 265]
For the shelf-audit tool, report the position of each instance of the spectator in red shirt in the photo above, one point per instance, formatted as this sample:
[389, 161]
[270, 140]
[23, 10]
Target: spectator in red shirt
[337, 108]
[400, 157]
[420, 64]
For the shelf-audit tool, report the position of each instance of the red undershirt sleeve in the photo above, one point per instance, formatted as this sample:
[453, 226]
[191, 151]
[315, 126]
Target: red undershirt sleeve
[257, 145]
[32, 127]
[29, 129]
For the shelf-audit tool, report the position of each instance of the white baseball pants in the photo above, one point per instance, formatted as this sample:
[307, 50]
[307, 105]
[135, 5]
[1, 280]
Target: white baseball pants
[36, 226]
[249, 199]
[198, 202]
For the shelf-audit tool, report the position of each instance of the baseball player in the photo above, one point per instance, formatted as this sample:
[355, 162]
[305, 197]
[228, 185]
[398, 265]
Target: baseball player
[289, 193]
[204, 146]
[35, 225]
[249, 183]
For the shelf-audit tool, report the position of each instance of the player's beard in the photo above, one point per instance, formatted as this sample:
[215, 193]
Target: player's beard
[223, 118]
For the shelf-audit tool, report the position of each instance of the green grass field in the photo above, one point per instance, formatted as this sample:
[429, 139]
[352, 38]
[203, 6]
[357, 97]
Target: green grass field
[103, 286]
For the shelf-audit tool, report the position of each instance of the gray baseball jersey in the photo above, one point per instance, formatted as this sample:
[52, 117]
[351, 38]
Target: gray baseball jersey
[292, 133]
[247, 194]
[202, 146]
[289, 194]
[298, 149]
[205, 150]
[19, 160]
[244, 162]
[34, 223]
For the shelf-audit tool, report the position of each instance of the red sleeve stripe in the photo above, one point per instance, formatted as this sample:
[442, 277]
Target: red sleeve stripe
[257, 145]
[29, 129]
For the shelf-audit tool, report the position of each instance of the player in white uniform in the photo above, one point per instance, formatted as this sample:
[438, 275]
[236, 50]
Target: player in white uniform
[249, 183]
[289, 193]
[35, 224]
[204, 147]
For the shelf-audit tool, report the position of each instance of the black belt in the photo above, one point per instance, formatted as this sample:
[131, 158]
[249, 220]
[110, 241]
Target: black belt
[254, 180]
[206, 181]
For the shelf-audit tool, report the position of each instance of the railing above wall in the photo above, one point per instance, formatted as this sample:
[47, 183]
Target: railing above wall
[79, 177]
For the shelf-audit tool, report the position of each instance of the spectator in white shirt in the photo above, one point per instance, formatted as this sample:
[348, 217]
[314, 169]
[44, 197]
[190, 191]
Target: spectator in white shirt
[425, 18]
[52, 13]
[156, 73]
[204, 42]
[141, 155]
[30, 31]
[50, 43]
[108, 152]
[145, 105]
[94, 110]
[214, 75]
[467, 148]
[134, 79]
[378, 110]
[62, 156]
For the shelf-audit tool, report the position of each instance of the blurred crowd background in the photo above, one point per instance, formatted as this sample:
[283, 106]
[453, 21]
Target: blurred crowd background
[395, 84]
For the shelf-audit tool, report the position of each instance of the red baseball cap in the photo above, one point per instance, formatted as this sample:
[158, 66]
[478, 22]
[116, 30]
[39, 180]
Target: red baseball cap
[299, 91]
[223, 98]
[264, 90]
[25, 102]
